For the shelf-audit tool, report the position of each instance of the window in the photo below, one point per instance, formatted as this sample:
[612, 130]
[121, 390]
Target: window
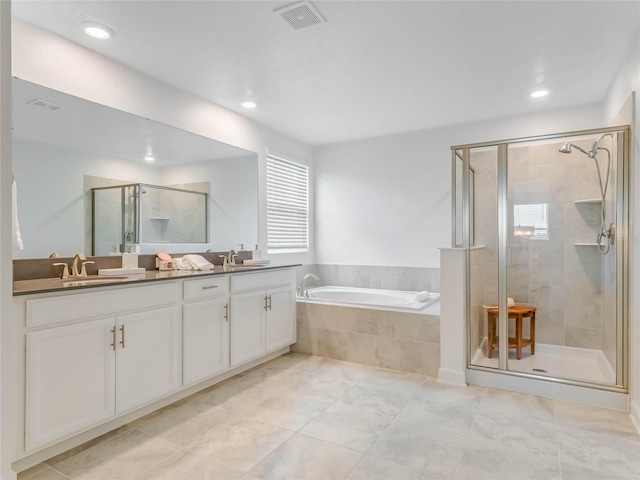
[531, 220]
[287, 206]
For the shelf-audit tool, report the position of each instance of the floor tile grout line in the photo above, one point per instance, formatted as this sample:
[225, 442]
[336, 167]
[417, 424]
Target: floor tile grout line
[466, 441]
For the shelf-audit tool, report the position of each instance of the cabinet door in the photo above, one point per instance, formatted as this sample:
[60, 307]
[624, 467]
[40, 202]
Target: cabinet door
[148, 357]
[280, 325]
[205, 340]
[70, 382]
[247, 326]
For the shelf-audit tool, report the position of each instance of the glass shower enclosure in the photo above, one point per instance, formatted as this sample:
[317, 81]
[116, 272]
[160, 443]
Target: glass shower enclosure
[544, 224]
[124, 217]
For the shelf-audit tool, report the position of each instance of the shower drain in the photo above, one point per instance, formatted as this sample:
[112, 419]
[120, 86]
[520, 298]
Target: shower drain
[539, 370]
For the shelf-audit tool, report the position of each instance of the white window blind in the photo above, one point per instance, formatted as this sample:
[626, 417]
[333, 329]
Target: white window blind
[535, 216]
[287, 206]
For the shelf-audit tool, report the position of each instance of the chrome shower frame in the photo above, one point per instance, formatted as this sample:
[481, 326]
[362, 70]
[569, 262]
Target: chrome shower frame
[621, 136]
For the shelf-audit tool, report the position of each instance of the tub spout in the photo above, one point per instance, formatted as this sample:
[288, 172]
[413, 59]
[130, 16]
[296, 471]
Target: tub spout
[302, 291]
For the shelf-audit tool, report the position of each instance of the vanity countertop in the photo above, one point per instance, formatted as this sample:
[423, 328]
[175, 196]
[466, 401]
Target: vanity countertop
[42, 285]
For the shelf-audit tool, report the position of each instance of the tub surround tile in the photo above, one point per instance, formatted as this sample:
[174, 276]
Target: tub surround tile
[361, 276]
[329, 274]
[406, 278]
[407, 355]
[303, 457]
[397, 340]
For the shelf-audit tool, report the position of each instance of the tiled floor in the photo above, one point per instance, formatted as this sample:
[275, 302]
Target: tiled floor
[305, 417]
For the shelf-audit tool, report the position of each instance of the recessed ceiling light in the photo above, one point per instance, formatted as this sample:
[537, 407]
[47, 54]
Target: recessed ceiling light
[249, 104]
[96, 30]
[540, 93]
[150, 158]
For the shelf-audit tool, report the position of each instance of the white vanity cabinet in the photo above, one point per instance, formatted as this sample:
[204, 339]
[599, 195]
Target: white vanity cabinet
[70, 380]
[92, 360]
[81, 371]
[205, 329]
[262, 314]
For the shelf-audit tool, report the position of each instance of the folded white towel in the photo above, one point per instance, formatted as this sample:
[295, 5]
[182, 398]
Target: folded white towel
[16, 237]
[421, 296]
[510, 302]
[193, 262]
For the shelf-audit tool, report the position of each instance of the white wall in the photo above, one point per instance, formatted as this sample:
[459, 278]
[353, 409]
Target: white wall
[387, 200]
[46, 59]
[627, 81]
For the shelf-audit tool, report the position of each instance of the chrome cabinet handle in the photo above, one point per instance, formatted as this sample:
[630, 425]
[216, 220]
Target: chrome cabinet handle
[266, 307]
[122, 340]
[226, 312]
[113, 338]
[269, 297]
[209, 287]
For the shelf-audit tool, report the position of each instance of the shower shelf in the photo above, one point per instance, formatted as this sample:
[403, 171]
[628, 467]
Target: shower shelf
[158, 218]
[588, 200]
[585, 244]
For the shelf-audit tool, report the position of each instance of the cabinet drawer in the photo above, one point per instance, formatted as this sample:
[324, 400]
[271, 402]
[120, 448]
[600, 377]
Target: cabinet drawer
[205, 288]
[64, 308]
[258, 281]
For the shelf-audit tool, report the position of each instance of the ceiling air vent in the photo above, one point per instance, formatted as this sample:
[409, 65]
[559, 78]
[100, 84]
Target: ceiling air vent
[300, 15]
[39, 102]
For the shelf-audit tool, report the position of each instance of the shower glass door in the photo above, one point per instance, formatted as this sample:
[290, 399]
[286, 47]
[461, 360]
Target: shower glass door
[547, 270]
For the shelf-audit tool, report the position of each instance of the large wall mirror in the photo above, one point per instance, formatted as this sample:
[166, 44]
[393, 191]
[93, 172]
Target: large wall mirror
[65, 146]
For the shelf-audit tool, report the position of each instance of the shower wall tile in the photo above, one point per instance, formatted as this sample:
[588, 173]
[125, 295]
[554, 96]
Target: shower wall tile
[584, 337]
[549, 303]
[583, 299]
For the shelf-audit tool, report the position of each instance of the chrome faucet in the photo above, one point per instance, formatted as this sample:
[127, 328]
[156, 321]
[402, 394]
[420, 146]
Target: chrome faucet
[302, 291]
[231, 257]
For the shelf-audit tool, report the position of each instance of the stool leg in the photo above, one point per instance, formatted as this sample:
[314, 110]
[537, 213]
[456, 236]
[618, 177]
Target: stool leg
[533, 333]
[519, 337]
[490, 334]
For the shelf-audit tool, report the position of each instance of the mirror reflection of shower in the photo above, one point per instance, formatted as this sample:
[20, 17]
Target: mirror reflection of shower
[606, 236]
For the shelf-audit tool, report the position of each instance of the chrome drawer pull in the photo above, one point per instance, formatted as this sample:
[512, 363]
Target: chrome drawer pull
[209, 286]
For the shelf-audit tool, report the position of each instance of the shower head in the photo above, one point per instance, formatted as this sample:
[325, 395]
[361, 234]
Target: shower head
[566, 148]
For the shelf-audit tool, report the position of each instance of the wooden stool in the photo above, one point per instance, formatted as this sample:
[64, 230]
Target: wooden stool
[518, 342]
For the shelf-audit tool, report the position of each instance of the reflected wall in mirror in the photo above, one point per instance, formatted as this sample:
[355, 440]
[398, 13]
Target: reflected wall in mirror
[64, 146]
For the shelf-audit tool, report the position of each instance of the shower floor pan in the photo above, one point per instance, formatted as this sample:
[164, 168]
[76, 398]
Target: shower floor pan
[558, 361]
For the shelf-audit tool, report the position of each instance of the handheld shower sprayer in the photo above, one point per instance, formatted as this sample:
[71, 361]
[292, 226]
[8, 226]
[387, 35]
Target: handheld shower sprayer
[607, 233]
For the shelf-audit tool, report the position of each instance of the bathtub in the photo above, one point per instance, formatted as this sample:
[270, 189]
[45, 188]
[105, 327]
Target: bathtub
[371, 298]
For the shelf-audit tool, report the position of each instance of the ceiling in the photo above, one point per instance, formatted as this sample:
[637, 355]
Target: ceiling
[374, 68]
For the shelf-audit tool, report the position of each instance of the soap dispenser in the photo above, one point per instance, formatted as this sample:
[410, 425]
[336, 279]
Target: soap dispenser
[256, 254]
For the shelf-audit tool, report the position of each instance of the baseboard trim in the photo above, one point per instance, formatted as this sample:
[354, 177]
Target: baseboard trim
[454, 377]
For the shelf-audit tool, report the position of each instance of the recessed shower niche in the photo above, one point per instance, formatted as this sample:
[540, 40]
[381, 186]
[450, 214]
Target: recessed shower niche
[140, 217]
[544, 221]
